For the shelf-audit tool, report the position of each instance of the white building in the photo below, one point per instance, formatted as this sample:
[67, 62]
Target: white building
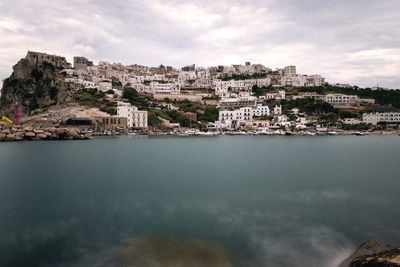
[351, 121]
[233, 119]
[278, 96]
[375, 118]
[242, 101]
[164, 88]
[135, 118]
[289, 71]
[340, 99]
[261, 111]
[278, 110]
[222, 88]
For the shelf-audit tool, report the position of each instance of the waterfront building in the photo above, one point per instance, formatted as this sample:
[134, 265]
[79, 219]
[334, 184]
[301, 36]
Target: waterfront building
[135, 118]
[191, 116]
[109, 123]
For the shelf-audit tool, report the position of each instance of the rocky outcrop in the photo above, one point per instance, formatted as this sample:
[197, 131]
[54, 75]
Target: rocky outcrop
[19, 133]
[35, 84]
[390, 258]
[373, 253]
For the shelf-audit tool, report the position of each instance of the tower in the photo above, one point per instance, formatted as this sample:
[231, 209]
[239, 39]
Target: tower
[16, 113]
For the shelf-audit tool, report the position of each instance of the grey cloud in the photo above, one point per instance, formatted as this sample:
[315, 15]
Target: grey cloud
[344, 40]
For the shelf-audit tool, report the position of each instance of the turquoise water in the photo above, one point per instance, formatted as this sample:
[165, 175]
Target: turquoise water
[267, 201]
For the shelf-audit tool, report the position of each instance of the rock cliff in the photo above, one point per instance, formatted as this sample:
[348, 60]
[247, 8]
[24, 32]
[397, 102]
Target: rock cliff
[37, 81]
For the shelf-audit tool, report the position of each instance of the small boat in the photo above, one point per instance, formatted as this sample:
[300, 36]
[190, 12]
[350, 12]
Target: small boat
[181, 134]
[331, 133]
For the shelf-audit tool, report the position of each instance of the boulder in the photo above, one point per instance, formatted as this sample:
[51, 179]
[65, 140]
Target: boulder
[6, 131]
[367, 248]
[389, 258]
[10, 137]
[19, 136]
[38, 131]
[42, 136]
[30, 134]
[2, 137]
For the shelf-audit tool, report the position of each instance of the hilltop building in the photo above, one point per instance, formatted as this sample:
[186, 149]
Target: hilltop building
[38, 58]
[82, 63]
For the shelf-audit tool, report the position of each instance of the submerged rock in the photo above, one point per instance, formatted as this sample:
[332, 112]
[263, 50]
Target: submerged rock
[366, 255]
[149, 251]
[389, 258]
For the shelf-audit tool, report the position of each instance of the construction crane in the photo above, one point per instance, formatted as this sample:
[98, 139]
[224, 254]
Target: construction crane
[7, 120]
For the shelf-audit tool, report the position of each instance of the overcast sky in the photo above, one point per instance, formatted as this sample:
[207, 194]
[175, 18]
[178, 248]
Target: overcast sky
[347, 41]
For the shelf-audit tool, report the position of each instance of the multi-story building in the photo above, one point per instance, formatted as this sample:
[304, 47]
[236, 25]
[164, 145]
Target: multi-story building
[375, 118]
[164, 88]
[135, 118]
[110, 123]
[82, 63]
[289, 71]
[261, 111]
[278, 110]
[308, 95]
[233, 119]
[278, 96]
[340, 99]
[244, 101]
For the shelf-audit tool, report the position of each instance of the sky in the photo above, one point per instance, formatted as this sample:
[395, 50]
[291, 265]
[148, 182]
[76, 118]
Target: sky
[346, 41]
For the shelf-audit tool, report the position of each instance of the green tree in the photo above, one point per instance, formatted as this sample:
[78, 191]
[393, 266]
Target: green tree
[130, 93]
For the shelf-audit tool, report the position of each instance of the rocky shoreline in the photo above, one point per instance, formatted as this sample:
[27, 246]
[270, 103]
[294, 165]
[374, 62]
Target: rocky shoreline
[19, 133]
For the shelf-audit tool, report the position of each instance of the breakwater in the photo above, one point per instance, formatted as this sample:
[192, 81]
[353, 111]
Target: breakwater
[19, 133]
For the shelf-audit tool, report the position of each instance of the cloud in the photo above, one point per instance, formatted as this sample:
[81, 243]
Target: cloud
[342, 40]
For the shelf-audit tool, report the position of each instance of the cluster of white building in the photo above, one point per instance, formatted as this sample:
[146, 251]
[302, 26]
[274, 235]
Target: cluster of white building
[336, 100]
[245, 116]
[235, 97]
[169, 80]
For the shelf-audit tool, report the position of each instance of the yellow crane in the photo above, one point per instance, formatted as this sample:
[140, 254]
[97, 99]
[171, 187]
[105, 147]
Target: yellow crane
[7, 120]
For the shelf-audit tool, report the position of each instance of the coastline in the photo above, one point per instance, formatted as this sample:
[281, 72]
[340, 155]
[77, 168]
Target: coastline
[19, 133]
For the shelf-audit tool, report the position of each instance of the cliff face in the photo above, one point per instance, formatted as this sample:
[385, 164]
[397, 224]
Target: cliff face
[35, 84]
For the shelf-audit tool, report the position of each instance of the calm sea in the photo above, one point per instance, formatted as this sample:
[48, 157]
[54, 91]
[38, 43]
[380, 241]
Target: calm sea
[230, 201]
